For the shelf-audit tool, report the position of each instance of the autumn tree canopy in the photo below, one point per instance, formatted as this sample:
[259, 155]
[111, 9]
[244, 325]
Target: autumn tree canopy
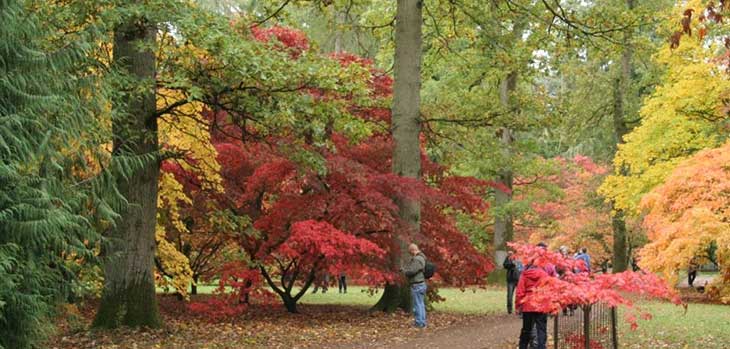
[166, 146]
[688, 213]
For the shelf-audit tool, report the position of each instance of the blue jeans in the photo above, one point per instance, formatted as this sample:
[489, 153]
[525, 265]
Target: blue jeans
[418, 292]
[530, 322]
[510, 293]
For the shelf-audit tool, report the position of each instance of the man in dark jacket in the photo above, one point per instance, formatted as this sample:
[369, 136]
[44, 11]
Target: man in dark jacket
[531, 314]
[513, 268]
[413, 270]
[342, 282]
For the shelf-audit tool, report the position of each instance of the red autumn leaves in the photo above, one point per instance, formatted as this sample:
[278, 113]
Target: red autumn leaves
[577, 287]
[338, 216]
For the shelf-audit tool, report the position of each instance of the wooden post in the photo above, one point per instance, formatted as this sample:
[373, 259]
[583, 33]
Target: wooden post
[555, 331]
[587, 325]
[614, 332]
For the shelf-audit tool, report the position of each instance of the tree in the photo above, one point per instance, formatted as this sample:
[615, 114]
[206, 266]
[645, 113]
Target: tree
[331, 206]
[620, 116]
[599, 89]
[188, 74]
[555, 294]
[676, 121]
[188, 232]
[53, 197]
[577, 217]
[129, 296]
[687, 215]
[503, 224]
[406, 129]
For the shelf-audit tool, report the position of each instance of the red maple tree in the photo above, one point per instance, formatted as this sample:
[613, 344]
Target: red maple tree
[340, 216]
[576, 287]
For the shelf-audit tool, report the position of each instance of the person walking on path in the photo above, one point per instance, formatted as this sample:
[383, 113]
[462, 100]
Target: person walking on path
[413, 270]
[532, 317]
[570, 309]
[549, 268]
[583, 255]
[513, 267]
[342, 282]
[692, 272]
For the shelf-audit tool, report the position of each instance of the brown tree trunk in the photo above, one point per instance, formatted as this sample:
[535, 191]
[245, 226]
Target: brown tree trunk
[194, 286]
[622, 85]
[503, 224]
[129, 296]
[406, 129]
[285, 292]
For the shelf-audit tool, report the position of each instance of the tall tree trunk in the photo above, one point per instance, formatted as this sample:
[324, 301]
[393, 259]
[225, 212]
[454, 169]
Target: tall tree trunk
[621, 87]
[339, 22]
[406, 129]
[503, 224]
[129, 296]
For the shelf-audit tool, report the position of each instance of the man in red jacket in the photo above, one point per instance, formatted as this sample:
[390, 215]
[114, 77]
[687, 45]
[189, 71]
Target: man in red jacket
[531, 315]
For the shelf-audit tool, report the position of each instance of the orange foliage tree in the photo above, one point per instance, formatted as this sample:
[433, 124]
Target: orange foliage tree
[689, 213]
[576, 217]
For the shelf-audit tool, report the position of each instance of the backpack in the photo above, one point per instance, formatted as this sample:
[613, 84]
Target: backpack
[429, 269]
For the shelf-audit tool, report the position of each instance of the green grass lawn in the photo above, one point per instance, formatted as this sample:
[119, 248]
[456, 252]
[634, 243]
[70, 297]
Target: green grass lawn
[703, 326]
[469, 301]
[480, 301]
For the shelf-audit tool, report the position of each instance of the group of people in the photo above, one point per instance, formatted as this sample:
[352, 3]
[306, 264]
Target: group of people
[323, 281]
[522, 281]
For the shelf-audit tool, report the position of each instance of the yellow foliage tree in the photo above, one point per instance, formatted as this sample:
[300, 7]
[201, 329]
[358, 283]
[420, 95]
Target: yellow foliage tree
[676, 120]
[687, 214]
[187, 139]
[174, 263]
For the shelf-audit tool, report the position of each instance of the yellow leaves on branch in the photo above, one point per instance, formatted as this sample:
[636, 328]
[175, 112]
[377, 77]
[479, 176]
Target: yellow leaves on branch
[687, 213]
[676, 121]
[171, 194]
[183, 132]
[175, 264]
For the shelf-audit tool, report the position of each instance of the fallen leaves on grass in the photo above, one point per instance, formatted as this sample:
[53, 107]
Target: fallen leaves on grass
[263, 326]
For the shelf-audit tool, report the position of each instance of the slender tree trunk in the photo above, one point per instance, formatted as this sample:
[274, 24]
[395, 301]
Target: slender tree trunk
[339, 21]
[621, 88]
[406, 129]
[129, 296]
[285, 293]
[503, 224]
[194, 286]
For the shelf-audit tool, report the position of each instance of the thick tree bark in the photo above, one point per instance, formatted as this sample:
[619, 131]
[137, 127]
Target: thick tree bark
[129, 296]
[406, 129]
[503, 224]
[622, 86]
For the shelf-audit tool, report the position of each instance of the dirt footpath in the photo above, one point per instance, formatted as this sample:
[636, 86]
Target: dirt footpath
[488, 332]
